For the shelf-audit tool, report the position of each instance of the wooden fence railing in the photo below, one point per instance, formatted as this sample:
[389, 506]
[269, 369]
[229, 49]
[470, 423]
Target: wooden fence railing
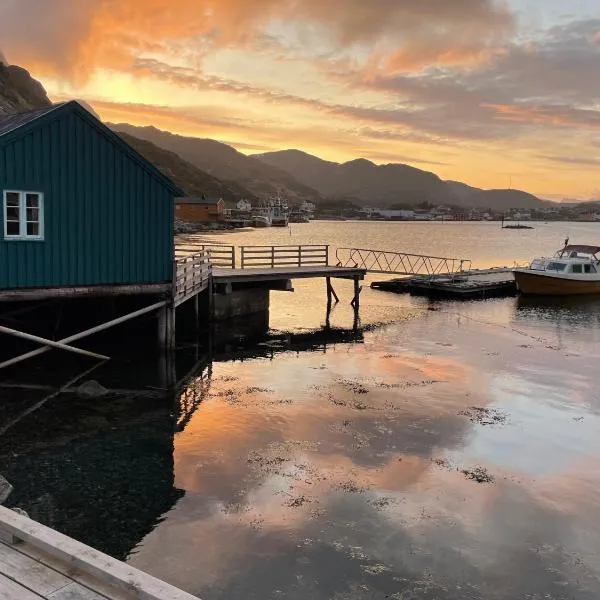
[192, 275]
[284, 256]
[221, 255]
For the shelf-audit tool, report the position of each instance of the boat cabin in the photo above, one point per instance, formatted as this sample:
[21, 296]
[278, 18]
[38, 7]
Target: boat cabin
[578, 260]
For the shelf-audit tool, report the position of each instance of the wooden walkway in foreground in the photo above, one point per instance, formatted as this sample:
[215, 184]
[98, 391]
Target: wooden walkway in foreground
[37, 562]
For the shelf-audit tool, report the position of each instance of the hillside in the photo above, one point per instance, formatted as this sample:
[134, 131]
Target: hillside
[501, 199]
[189, 178]
[225, 163]
[378, 185]
[19, 91]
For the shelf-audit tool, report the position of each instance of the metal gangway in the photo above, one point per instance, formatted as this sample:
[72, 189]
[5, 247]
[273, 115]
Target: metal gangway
[401, 263]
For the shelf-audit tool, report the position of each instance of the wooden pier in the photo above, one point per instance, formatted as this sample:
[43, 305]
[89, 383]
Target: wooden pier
[38, 563]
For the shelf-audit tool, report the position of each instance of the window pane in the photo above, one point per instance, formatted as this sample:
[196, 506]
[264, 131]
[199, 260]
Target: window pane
[577, 268]
[32, 201]
[12, 213]
[12, 199]
[33, 229]
[33, 214]
[12, 228]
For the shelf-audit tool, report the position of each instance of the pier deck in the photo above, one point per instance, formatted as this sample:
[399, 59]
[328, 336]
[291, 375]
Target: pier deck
[37, 563]
[266, 274]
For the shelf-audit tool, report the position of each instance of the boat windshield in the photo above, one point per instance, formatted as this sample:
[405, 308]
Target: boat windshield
[556, 266]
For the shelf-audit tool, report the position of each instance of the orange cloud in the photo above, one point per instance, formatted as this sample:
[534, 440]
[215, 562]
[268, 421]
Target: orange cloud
[76, 37]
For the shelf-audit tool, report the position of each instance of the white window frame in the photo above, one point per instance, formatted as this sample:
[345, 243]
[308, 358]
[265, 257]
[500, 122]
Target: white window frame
[23, 217]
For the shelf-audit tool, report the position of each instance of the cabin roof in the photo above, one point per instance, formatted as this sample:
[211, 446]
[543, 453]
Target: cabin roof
[9, 123]
[583, 249]
[197, 200]
[21, 123]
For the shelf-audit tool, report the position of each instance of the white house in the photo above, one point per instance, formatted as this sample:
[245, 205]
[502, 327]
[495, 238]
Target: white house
[244, 206]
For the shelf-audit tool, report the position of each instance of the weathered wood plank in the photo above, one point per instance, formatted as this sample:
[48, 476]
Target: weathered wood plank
[10, 590]
[75, 591]
[103, 589]
[95, 563]
[29, 572]
[84, 292]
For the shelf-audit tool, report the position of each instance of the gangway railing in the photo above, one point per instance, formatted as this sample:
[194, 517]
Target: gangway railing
[400, 263]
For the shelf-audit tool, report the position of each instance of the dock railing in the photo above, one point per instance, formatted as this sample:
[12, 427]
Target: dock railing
[221, 255]
[400, 263]
[284, 256]
[192, 275]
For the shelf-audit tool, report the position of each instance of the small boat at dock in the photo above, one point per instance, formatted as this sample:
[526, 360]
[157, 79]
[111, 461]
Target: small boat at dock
[574, 270]
[261, 221]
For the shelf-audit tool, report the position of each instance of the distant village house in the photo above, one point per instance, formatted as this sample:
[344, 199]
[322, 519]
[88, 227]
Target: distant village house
[200, 209]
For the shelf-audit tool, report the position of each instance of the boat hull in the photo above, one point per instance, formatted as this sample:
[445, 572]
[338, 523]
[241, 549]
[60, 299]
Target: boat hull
[540, 284]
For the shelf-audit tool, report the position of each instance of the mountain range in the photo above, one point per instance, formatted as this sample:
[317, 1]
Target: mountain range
[225, 163]
[200, 165]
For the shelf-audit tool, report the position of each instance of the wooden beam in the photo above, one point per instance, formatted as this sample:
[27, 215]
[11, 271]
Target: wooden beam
[50, 343]
[86, 333]
[91, 291]
[101, 566]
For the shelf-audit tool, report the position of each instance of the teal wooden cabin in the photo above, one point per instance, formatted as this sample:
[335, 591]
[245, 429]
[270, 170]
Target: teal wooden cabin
[80, 207]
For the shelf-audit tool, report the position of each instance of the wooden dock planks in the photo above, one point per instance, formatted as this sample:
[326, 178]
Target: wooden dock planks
[47, 564]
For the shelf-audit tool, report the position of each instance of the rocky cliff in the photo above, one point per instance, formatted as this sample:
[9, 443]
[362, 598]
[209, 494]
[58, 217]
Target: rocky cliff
[19, 91]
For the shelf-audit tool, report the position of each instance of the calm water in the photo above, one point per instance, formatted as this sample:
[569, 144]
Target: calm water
[447, 450]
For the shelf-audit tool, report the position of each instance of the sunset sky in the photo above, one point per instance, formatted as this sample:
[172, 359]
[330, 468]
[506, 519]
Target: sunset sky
[482, 91]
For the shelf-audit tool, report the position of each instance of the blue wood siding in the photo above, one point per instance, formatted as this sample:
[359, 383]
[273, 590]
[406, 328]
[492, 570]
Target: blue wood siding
[107, 219]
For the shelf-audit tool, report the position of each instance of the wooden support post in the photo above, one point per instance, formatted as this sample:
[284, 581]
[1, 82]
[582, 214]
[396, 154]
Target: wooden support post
[167, 371]
[166, 328]
[357, 290]
[196, 301]
[211, 300]
[331, 291]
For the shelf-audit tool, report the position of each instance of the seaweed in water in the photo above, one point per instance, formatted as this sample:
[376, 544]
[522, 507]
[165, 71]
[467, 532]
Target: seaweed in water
[484, 416]
[478, 474]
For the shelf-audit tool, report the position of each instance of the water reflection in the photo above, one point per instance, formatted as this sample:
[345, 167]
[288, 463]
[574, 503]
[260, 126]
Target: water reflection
[376, 470]
[447, 456]
[89, 450]
[97, 469]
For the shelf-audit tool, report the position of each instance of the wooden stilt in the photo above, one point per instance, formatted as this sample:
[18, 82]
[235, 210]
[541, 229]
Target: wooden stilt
[166, 327]
[211, 300]
[331, 290]
[86, 333]
[357, 290]
[167, 371]
[197, 311]
[329, 294]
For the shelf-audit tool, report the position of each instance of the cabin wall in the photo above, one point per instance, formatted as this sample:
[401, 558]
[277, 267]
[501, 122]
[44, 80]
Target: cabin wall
[107, 220]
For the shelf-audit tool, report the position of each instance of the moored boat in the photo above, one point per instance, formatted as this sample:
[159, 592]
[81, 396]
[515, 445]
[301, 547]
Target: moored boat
[574, 270]
[261, 221]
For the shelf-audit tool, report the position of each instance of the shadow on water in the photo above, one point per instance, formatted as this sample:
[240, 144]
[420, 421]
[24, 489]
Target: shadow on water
[94, 459]
[582, 312]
